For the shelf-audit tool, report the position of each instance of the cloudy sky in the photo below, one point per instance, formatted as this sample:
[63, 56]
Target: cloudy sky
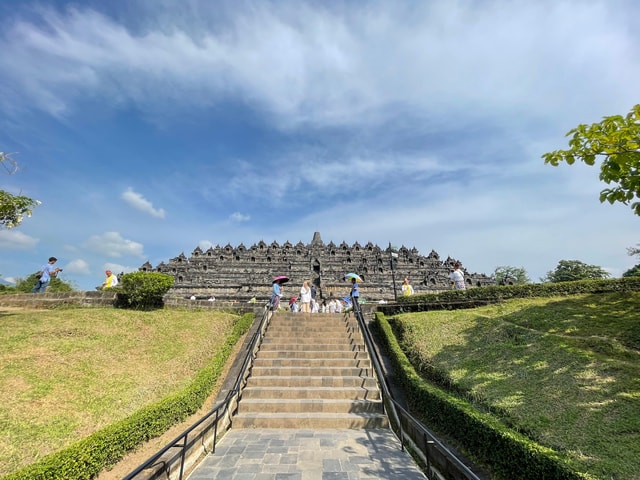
[147, 128]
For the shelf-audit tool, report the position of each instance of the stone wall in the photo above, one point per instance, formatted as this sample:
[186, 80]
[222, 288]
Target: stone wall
[107, 299]
[50, 300]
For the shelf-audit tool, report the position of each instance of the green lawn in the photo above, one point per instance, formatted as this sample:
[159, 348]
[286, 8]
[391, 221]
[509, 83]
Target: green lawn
[66, 373]
[563, 370]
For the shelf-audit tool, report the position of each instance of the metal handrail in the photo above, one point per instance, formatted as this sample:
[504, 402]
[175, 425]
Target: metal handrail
[220, 410]
[399, 413]
[431, 445]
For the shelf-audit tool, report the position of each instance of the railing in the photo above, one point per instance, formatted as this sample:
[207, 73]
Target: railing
[164, 464]
[440, 462]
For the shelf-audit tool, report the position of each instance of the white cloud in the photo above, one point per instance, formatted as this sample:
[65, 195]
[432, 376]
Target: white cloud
[205, 245]
[77, 266]
[306, 63]
[138, 202]
[16, 240]
[239, 217]
[118, 268]
[112, 244]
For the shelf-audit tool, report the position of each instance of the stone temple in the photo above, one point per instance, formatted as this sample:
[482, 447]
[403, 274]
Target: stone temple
[240, 273]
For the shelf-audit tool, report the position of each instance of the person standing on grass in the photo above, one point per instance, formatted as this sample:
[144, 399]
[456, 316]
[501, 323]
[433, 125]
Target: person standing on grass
[458, 277]
[46, 272]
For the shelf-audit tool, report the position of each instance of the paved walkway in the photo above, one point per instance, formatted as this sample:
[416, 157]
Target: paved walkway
[279, 454]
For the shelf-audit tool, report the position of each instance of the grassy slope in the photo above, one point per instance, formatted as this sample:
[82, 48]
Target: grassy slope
[66, 373]
[565, 371]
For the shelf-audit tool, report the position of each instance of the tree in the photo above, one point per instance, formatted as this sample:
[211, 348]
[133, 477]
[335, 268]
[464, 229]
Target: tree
[507, 275]
[617, 139]
[633, 271]
[571, 270]
[56, 285]
[13, 208]
[143, 290]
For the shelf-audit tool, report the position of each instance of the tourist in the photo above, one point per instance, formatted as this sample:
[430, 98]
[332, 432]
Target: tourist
[355, 294]
[458, 277]
[407, 289]
[293, 304]
[44, 275]
[332, 306]
[275, 296]
[305, 297]
[339, 306]
[315, 307]
[110, 281]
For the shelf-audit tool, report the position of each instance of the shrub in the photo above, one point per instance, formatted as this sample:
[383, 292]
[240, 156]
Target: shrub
[142, 290]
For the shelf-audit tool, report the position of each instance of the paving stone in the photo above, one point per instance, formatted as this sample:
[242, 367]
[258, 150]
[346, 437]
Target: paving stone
[341, 454]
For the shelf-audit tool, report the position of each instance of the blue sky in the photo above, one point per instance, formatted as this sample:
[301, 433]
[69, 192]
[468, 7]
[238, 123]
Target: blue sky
[147, 128]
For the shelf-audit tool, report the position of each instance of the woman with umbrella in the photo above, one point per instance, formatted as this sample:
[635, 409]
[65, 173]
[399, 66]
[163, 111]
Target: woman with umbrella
[277, 292]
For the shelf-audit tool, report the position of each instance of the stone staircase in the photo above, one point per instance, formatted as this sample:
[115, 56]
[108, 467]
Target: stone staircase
[311, 371]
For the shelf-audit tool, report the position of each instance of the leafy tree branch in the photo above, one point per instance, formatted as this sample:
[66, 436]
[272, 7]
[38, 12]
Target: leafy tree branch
[617, 140]
[13, 208]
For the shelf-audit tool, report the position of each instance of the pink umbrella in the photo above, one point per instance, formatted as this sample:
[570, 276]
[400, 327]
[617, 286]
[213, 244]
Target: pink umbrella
[280, 279]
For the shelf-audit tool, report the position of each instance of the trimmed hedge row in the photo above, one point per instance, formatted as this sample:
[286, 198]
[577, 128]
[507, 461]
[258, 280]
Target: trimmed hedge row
[496, 293]
[509, 453]
[85, 459]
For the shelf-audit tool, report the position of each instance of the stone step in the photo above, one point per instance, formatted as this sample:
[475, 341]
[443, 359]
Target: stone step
[311, 371]
[345, 347]
[301, 331]
[279, 381]
[311, 420]
[278, 392]
[311, 362]
[313, 354]
[343, 340]
[308, 405]
[295, 322]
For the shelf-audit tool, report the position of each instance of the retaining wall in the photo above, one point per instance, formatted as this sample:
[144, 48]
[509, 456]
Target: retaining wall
[50, 300]
[101, 298]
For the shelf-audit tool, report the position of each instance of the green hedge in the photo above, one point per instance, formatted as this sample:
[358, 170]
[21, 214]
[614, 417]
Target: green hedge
[142, 290]
[85, 459]
[496, 293]
[508, 453]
